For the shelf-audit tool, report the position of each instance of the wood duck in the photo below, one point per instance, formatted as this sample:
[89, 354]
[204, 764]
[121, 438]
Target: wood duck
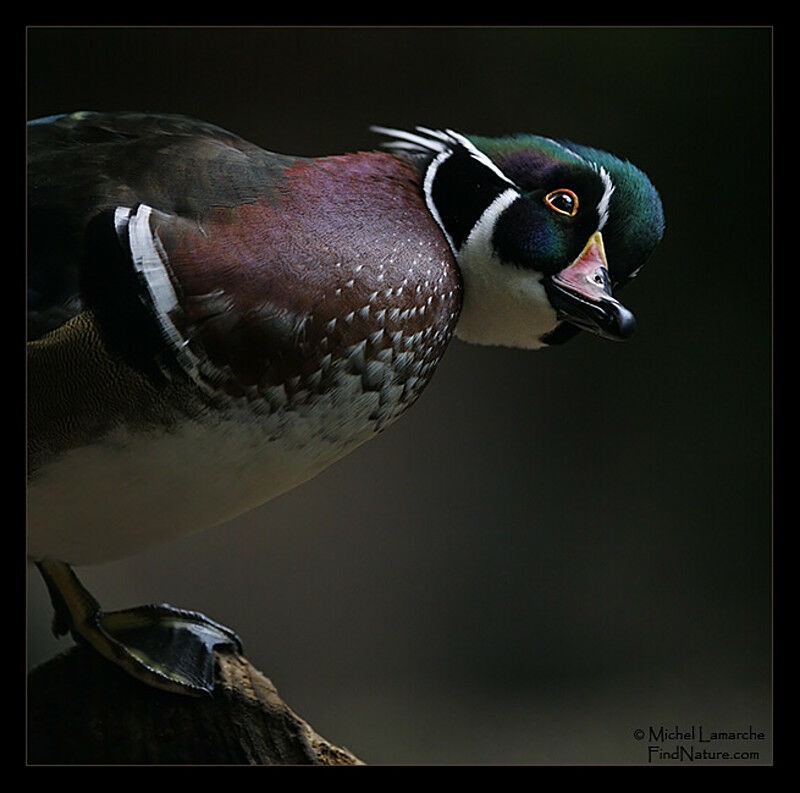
[212, 324]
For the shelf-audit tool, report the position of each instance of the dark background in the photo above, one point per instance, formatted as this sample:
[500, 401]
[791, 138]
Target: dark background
[552, 549]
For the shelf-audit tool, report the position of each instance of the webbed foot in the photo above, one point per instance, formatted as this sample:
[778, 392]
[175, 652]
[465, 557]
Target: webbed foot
[162, 646]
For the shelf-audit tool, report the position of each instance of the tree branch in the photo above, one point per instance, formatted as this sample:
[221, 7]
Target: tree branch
[84, 710]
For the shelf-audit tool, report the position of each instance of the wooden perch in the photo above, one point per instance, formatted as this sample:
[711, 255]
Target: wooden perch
[84, 710]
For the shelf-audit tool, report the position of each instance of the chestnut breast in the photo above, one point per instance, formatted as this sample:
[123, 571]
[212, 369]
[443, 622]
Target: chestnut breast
[338, 270]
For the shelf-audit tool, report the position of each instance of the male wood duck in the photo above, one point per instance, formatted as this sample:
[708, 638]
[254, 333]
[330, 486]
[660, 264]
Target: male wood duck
[212, 324]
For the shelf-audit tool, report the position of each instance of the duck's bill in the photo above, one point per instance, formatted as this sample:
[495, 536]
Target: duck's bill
[581, 295]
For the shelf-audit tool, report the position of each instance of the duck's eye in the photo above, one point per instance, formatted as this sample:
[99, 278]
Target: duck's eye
[563, 201]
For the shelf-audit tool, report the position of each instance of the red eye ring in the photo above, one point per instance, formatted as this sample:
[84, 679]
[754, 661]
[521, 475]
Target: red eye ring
[563, 201]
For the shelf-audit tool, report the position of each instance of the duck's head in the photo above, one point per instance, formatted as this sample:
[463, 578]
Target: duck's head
[545, 232]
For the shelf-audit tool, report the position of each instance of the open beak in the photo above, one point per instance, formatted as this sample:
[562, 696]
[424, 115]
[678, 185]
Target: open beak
[581, 295]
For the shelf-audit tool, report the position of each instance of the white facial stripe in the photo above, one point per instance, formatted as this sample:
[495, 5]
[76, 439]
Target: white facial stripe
[482, 231]
[427, 188]
[438, 141]
[569, 151]
[444, 143]
[602, 207]
[441, 142]
[479, 156]
[484, 227]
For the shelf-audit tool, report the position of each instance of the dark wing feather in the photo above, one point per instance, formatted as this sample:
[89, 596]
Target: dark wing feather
[84, 164]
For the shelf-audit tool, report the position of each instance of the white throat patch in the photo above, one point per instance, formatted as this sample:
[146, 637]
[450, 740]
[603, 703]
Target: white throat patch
[503, 305]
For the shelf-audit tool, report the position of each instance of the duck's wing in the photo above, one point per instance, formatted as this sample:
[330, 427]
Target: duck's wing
[81, 165]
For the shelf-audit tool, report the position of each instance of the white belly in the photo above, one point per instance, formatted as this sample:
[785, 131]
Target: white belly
[132, 491]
